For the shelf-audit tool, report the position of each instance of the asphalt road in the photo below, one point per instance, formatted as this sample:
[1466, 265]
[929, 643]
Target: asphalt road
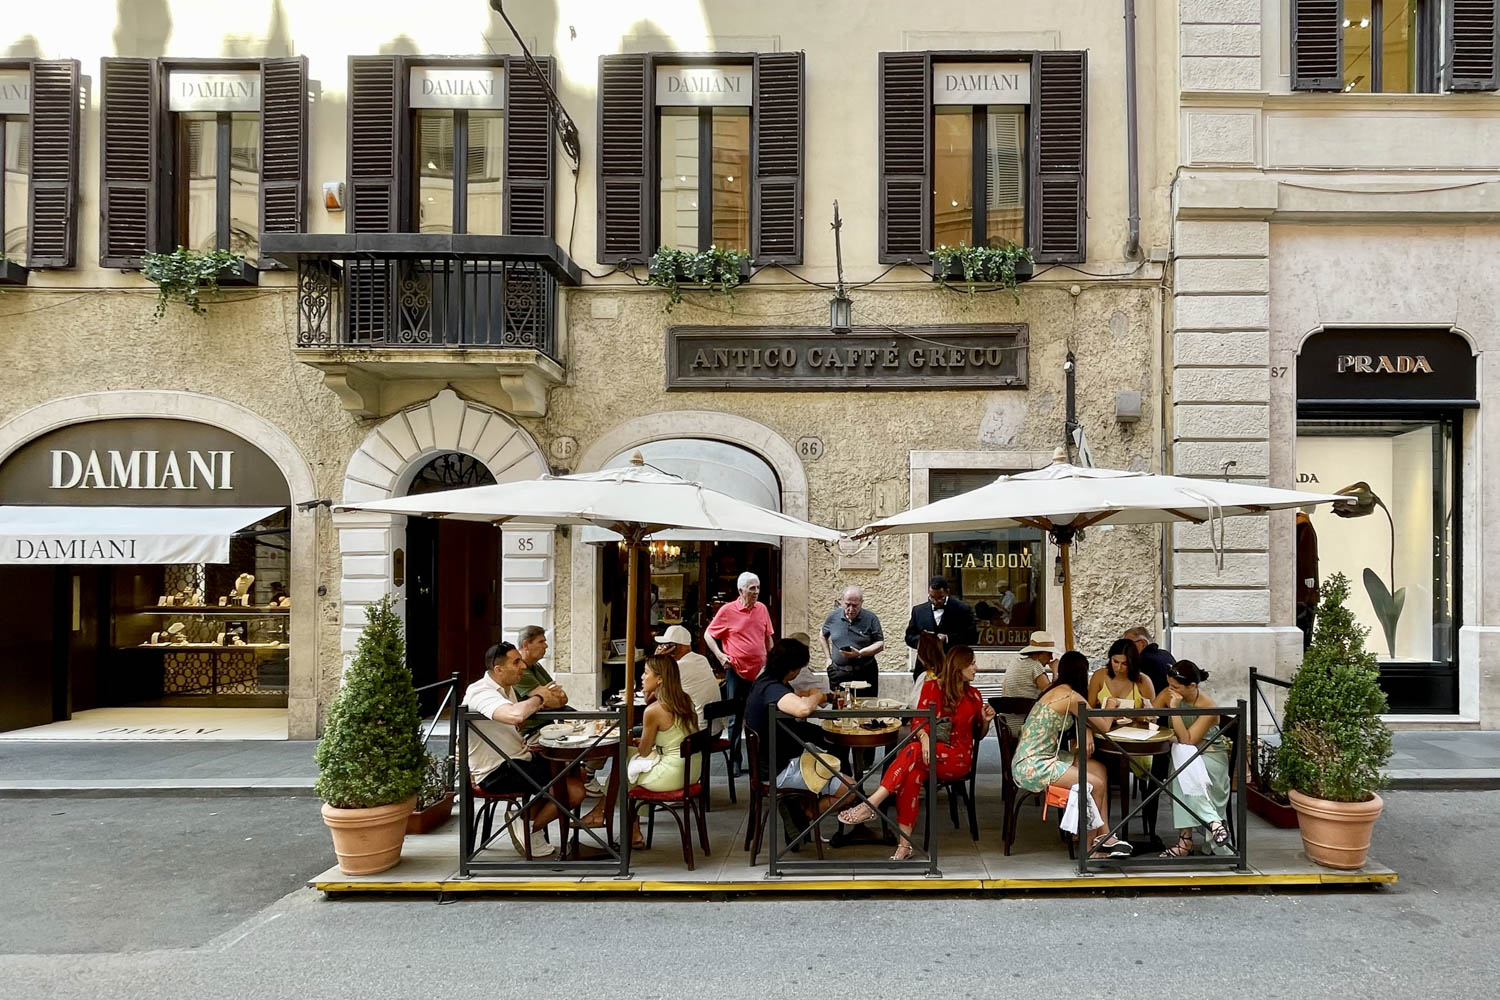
[159, 898]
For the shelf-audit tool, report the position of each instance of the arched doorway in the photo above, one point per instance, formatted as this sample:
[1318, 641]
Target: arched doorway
[453, 584]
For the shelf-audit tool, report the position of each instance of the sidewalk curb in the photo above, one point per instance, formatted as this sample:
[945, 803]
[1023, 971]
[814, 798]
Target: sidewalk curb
[161, 789]
[1455, 779]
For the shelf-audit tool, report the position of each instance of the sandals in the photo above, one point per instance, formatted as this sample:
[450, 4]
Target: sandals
[903, 851]
[1219, 832]
[857, 814]
[1114, 849]
[1182, 849]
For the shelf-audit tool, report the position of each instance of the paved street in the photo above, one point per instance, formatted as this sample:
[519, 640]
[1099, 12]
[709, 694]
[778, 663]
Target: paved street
[165, 897]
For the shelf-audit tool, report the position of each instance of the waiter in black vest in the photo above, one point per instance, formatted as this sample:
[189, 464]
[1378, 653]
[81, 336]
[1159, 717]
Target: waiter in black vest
[944, 615]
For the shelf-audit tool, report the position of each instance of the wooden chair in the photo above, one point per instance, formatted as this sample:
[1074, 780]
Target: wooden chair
[755, 825]
[685, 803]
[712, 712]
[963, 788]
[1012, 795]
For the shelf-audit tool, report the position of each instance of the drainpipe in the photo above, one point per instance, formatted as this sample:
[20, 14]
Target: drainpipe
[1132, 166]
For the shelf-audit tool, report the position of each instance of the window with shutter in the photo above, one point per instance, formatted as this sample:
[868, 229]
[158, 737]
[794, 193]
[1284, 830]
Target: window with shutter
[905, 156]
[376, 113]
[281, 160]
[130, 103]
[1474, 45]
[1060, 183]
[624, 156]
[1394, 46]
[46, 148]
[777, 205]
[528, 149]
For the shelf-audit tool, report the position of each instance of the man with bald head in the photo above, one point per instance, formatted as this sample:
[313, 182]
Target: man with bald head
[851, 639]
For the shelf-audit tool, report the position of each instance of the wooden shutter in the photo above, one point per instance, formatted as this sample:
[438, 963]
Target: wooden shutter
[624, 158]
[129, 120]
[377, 107]
[776, 197]
[905, 156]
[528, 149]
[1059, 180]
[1317, 45]
[283, 146]
[52, 230]
[1473, 63]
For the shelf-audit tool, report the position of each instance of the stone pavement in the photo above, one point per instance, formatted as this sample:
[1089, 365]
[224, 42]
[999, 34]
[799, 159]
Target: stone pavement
[1468, 760]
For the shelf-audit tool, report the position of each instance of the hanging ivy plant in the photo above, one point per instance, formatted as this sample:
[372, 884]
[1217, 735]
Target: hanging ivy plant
[1003, 266]
[184, 275]
[716, 269]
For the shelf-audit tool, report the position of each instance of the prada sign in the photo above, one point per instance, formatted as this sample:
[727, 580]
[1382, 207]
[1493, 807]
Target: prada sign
[15, 92]
[478, 88]
[215, 90]
[1363, 366]
[141, 462]
[695, 86]
[987, 356]
[981, 83]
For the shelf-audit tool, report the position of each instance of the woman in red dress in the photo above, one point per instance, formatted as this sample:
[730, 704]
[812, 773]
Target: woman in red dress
[963, 717]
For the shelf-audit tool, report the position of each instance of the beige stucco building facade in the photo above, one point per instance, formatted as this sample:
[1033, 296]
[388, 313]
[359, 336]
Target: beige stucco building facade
[346, 424]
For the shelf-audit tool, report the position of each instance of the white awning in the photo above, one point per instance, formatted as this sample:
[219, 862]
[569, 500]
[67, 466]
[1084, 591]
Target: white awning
[111, 536]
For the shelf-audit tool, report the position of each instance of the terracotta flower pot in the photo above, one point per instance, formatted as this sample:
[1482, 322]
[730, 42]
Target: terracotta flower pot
[1336, 834]
[368, 841]
[434, 816]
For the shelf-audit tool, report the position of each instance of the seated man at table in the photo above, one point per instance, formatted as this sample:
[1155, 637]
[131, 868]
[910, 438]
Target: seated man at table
[774, 687]
[697, 676]
[515, 770]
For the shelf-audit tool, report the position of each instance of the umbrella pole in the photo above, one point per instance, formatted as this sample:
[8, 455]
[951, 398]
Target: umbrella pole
[1067, 595]
[632, 547]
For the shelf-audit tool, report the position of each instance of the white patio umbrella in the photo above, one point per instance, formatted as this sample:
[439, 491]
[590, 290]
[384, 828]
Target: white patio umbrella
[634, 501]
[1063, 499]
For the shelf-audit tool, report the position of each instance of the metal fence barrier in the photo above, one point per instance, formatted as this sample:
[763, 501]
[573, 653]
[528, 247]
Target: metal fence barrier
[924, 858]
[1232, 723]
[615, 859]
[449, 704]
[1259, 745]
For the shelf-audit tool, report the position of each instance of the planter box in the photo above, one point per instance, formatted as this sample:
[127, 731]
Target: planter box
[687, 281]
[241, 275]
[1277, 814]
[429, 819]
[12, 273]
[955, 273]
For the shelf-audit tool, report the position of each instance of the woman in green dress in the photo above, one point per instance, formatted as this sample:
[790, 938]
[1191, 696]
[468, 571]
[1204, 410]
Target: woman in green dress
[1207, 809]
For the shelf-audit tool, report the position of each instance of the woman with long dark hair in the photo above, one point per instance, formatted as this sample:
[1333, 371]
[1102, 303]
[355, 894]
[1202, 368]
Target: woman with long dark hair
[1201, 800]
[962, 718]
[1120, 683]
[1039, 761]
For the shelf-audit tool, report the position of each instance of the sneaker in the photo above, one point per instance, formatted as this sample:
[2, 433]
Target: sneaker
[592, 786]
[514, 827]
[541, 848]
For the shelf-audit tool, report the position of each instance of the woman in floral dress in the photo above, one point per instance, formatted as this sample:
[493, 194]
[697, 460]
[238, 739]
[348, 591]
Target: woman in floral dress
[963, 717]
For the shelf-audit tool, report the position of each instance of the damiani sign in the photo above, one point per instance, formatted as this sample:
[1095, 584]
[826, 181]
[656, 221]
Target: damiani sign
[15, 92]
[222, 90]
[73, 550]
[981, 83]
[692, 86]
[480, 88]
[142, 470]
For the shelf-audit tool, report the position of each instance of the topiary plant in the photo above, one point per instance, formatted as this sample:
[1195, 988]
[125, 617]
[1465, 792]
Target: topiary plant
[1335, 744]
[371, 753]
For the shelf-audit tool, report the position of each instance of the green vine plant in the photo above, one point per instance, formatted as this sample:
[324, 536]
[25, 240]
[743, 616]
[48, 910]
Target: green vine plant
[184, 275]
[981, 265]
[716, 269]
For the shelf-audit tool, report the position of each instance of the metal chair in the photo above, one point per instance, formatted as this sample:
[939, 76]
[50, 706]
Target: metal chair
[685, 803]
[711, 713]
[1012, 795]
[963, 788]
[483, 817]
[755, 825]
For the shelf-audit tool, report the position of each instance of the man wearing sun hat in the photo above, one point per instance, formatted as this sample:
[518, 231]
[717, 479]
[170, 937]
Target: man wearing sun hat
[697, 676]
[1027, 675]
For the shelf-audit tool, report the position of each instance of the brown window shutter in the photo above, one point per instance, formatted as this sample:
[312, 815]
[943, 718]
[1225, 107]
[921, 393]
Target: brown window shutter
[52, 230]
[528, 149]
[776, 205]
[377, 100]
[1474, 50]
[1317, 45]
[130, 108]
[283, 146]
[905, 156]
[624, 158]
[1059, 178]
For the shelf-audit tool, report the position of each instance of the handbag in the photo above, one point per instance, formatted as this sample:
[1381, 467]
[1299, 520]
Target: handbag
[942, 731]
[1068, 822]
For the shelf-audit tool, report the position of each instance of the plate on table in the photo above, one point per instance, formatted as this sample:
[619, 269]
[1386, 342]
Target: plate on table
[1139, 734]
[889, 704]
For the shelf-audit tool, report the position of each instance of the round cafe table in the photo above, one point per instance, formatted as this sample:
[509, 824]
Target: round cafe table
[1115, 754]
[560, 755]
[838, 738]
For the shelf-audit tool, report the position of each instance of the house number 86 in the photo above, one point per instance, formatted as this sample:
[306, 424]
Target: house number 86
[810, 448]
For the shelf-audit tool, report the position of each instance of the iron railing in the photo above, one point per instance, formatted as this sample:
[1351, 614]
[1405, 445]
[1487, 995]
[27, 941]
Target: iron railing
[450, 703]
[615, 859]
[924, 859]
[1232, 723]
[1259, 744]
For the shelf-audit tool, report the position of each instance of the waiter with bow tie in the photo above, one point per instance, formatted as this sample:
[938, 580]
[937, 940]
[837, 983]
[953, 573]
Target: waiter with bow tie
[944, 615]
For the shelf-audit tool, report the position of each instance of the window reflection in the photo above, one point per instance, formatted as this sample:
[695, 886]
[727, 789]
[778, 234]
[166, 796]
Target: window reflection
[678, 191]
[198, 187]
[731, 208]
[485, 171]
[244, 185]
[1005, 177]
[16, 191]
[1398, 26]
[953, 177]
[435, 152]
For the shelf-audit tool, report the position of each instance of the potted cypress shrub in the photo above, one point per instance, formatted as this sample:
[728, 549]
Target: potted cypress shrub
[371, 760]
[1335, 745]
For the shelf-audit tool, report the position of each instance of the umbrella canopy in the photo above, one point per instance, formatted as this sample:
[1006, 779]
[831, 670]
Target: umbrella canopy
[634, 501]
[1063, 499]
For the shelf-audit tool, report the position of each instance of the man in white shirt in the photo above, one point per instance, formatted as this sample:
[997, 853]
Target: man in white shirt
[697, 676]
[1027, 676]
[511, 768]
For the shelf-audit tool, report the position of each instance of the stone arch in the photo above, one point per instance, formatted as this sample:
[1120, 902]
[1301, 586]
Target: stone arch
[383, 467]
[302, 680]
[714, 426]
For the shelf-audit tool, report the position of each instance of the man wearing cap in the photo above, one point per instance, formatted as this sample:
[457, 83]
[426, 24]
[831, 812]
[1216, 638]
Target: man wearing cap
[1153, 660]
[851, 638]
[697, 676]
[1027, 676]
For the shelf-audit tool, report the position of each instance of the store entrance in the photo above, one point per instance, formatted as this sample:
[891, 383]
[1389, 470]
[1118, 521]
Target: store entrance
[453, 583]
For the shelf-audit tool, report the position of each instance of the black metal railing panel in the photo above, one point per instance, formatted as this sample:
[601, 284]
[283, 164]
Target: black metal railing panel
[924, 859]
[1232, 726]
[614, 858]
[1263, 744]
[448, 707]
[417, 302]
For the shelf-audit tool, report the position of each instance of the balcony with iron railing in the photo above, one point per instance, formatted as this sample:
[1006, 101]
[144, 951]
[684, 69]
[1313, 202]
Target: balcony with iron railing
[387, 317]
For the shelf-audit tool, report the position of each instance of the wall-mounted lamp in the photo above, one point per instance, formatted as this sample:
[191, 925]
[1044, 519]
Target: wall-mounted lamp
[840, 313]
[333, 196]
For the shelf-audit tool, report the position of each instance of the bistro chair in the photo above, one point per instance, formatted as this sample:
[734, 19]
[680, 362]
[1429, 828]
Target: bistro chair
[712, 712]
[685, 803]
[1012, 795]
[963, 788]
[755, 826]
[483, 816]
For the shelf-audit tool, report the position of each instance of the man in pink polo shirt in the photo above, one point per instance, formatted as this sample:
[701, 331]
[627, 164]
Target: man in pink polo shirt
[740, 636]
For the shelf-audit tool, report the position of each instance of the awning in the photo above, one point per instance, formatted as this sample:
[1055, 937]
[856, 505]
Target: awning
[112, 536]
